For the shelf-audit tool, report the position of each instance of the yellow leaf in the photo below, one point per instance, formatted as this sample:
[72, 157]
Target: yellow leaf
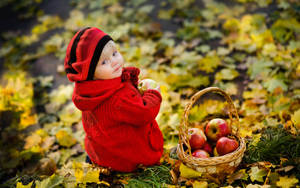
[58, 97]
[41, 132]
[298, 71]
[262, 38]
[269, 49]
[187, 172]
[209, 63]
[255, 93]
[231, 88]
[47, 22]
[70, 114]
[91, 176]
[296, 118]
[65, 139]
[244, 132]
[36, 149]
[78, 171]
[245, 23]
[257, 186]
[200, 184]
[287, 182]
[87, 174]
[20, 185]
[231, 25]
[32, 140]
[27, 120]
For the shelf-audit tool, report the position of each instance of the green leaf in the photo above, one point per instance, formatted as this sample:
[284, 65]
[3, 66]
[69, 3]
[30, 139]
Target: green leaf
[223, 51]
[178, 81]
[283, 29]
[274, 83]
[50, 182]
[230, 87]
[260, 68]
[190, 31]
[257, 174]
[203, 48]
[165, 14]
[226, 74]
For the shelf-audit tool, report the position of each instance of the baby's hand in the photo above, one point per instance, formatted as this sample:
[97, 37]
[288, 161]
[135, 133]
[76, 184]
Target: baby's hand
[148, 84]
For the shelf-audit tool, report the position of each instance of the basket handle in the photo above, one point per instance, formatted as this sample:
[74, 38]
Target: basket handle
[196, 96]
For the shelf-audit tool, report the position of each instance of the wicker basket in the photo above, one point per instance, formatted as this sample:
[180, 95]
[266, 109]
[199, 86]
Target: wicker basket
[213, 167]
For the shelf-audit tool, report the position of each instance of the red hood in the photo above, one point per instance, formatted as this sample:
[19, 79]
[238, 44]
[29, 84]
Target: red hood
[88, 94]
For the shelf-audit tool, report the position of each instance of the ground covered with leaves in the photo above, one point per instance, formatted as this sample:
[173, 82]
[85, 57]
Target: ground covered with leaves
[248, 48]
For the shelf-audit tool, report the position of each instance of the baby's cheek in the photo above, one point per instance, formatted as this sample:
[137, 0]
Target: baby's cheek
[120, 59]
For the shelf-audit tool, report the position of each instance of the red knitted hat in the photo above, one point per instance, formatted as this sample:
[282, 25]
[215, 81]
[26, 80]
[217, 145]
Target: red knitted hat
[83, 53]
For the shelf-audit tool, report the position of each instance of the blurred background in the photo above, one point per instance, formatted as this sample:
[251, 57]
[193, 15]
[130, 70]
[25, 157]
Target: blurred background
[248, 48]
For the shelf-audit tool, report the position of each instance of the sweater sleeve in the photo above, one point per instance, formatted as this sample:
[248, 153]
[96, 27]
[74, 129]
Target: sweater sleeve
[132, 111]
[131, 73]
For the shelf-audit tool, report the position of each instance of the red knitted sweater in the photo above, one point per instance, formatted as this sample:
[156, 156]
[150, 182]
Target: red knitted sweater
[120, 126]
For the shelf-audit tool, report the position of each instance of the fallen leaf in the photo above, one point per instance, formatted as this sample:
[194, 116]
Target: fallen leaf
[200, 184]
[257, 186]
[32, 140]
[287, 182]
[257, 174]
[65, 139]
[239, 175]
[187, 172]
[226, 74]
[209, 63]
[20, 185]
[296, 118]
[50, 182]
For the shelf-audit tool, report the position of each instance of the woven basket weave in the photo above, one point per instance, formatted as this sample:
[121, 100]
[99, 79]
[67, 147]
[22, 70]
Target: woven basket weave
[212, 167]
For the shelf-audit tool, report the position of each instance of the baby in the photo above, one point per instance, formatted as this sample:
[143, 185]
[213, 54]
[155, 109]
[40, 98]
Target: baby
[120, 126]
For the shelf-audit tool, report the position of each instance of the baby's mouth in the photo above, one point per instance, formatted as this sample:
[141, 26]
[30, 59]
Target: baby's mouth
[118, 68]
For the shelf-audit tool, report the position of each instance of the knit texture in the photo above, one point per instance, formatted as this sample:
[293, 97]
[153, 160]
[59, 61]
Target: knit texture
[83, 53]
[120, 126]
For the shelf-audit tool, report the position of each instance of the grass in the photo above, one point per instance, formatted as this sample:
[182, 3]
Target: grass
[274, 144]
[156, 176]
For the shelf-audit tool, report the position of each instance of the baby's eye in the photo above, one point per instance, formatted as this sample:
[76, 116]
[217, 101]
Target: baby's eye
[104, 62]
[115, 53]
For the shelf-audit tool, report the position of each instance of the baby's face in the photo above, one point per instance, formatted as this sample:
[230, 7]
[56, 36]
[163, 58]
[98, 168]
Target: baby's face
[110, 63]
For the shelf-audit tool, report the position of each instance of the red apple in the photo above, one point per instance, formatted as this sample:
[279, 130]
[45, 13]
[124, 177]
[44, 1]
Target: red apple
[200, 153]
[197, 138]
[217, 128]
[226, 145]
[207, 148]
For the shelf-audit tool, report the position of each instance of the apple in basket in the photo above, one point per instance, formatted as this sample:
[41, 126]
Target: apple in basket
[200, 153]
[147, 84]
[207, 148]
[197, 138]
[217, 128]
[226, 145]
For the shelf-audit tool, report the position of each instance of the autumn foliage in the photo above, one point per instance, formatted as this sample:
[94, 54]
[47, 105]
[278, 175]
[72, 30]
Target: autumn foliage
[248, 48]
